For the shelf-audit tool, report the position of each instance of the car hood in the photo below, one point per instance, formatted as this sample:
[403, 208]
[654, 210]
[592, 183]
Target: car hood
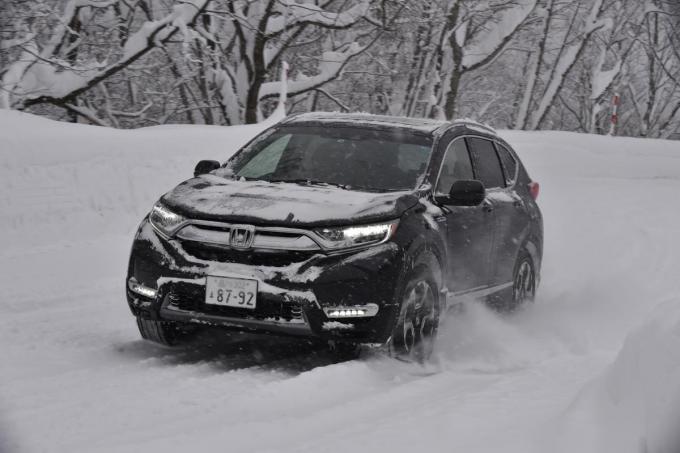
[212, 197]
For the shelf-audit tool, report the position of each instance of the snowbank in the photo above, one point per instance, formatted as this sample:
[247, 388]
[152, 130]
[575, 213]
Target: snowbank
[634, 407]
[75, 371]
[64, 181]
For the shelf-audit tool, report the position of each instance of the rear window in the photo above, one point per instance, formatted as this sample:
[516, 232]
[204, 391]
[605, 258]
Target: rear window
[355, 158]
[509, 164]
[486, 163]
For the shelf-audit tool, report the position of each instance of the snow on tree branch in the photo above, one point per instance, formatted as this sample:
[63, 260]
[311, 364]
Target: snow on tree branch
[40, 77]
[498, 34]
[296, 14]
[330, 67]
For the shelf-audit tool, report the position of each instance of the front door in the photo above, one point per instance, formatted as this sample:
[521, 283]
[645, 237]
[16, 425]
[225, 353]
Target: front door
[470, 229]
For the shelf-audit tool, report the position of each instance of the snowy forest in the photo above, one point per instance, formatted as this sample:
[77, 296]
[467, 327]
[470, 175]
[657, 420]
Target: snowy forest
[597, 66]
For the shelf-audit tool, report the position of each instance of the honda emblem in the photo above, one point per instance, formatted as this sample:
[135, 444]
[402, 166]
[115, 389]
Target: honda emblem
[242, 236]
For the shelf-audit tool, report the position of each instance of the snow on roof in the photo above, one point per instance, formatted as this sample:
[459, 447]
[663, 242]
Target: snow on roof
[475, 125]
[419, 124]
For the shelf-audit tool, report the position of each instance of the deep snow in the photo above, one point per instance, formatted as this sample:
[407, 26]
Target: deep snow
[76, 378]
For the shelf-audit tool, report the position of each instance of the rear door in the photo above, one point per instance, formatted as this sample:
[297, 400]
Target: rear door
[488, 169]
[469, 229]
[512, 218]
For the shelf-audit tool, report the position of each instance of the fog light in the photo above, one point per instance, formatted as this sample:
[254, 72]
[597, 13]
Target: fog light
[357, 311]
[140, 289]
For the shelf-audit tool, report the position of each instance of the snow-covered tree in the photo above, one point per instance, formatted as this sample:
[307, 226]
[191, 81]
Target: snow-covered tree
[526, 64]
[446, 41]
[56, 72]
[245, 42]
[654, 77]
[218, 53]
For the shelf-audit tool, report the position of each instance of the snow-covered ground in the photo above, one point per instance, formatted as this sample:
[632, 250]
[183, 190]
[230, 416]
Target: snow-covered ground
[565, 374]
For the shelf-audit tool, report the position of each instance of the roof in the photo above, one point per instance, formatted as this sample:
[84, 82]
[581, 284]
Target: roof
[423, 125]
[417, 124]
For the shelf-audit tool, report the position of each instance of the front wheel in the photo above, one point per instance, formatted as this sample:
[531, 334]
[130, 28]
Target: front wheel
[416, 328]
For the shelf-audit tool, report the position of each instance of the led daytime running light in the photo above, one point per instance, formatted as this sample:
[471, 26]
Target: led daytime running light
[359, 311]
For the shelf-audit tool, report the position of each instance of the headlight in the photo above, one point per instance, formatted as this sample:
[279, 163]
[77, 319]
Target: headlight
[354, 236]
[164, 220]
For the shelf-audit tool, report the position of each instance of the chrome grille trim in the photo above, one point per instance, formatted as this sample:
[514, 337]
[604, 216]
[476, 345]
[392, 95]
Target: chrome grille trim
[265, 238]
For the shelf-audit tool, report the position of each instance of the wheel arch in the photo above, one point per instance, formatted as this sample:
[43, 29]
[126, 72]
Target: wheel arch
[423, 251]
[426, 253]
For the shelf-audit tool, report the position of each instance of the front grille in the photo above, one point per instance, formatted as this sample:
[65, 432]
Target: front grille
[189, 297]
[247, 236]
[276, 258]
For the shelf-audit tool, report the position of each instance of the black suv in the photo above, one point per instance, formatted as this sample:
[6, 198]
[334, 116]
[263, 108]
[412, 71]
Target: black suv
[348, 228]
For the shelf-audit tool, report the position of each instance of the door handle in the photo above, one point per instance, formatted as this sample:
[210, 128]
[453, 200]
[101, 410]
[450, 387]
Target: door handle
[487, 206]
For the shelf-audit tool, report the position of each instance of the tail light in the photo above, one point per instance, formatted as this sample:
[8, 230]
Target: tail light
[534, 189]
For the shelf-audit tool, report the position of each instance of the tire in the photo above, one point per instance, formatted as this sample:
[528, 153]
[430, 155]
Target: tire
[523, 282]
[415, 330]
[523, 288]
[161, 332]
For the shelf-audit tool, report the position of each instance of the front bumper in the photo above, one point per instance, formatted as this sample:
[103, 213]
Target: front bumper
[297, 293]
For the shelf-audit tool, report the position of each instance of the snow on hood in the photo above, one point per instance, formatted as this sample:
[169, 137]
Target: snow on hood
[215, 198]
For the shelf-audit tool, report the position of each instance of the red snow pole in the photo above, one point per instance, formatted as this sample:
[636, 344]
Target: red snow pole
[616, 101]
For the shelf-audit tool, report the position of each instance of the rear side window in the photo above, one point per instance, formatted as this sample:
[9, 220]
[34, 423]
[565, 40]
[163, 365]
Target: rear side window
[486, 163]
[456, 166]
[509, 164]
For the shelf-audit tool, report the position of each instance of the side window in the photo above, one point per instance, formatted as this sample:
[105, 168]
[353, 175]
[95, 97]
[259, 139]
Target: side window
[456, 166]
[487, 165]
[266, 161]
[509, 164]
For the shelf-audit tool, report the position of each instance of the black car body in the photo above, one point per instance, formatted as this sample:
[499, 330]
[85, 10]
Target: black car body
[292, 246]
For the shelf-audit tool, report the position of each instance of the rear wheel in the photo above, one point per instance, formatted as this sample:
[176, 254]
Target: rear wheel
[524, 282]
[521, 291]
[416, 328]
[161, 332]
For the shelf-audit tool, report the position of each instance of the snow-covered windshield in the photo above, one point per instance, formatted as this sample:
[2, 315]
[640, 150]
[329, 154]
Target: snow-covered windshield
[349, 157]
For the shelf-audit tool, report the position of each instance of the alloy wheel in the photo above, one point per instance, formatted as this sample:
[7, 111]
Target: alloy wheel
[414, 336]
[524, 285]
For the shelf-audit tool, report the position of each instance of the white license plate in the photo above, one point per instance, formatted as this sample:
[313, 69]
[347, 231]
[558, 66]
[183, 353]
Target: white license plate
[231, 292]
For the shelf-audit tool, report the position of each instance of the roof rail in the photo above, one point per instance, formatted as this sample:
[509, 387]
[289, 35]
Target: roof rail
[473, 123]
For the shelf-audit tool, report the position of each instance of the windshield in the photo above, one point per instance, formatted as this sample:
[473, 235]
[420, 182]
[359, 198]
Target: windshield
[349, 157]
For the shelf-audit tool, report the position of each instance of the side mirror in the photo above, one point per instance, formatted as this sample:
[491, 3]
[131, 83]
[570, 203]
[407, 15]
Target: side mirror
[465, 193]
[205, 166]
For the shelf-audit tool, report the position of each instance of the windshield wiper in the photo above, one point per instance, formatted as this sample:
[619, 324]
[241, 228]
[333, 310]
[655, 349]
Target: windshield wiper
[316, 182]
[311, 182]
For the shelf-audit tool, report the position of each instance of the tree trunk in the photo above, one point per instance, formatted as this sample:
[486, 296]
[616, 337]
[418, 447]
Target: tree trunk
[72, 55]
[537, 62]
[259, 73]
[457, 57]
[651, 75]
